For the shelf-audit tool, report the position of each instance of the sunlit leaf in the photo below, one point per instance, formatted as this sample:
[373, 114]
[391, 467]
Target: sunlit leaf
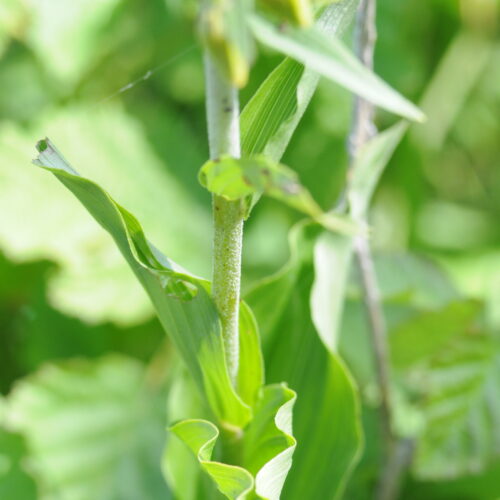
[331, 59]
[266, 448]
[201, 436]
[332, 263]
[181, 301]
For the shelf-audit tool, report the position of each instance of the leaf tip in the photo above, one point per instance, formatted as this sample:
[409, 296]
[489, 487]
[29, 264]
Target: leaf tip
[42, 145]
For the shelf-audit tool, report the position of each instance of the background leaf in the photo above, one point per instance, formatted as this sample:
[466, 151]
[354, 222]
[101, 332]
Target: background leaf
[92, 430]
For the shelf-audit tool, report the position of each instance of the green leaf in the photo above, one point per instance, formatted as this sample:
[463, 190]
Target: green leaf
[326, 415]
[422, 336]
[181, 301]
[368, 166]
[200, 436]
[270, 118]
[332, 263]
[251, 365]
[461, 386]
[332, 60]
[266, 448]
[268, 444]
[333, 252]
[92, 430]
[236, 179]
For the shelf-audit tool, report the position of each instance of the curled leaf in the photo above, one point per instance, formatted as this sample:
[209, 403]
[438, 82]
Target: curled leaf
[266, 447]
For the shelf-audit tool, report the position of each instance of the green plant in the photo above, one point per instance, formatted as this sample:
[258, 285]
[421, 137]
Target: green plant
[232, 411]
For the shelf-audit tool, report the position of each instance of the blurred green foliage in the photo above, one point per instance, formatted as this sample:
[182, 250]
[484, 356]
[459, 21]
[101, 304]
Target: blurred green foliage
[122, 81]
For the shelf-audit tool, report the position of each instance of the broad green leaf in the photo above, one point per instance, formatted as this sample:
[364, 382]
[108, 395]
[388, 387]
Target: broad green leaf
[331, 59]
[92, 430]
[266, 448]
[270, 118]
[461, 386]
[326, 415]
[92, 281]
[181, 301]
[427, 333]
[236, 179]
[411, 287]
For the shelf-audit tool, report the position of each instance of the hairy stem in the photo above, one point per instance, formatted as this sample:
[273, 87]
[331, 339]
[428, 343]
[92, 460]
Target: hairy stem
[224, 139]
[363, 129]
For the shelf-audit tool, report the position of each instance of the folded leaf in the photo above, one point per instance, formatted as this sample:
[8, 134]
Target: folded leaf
[270, 118]
[332, 60]
[266, 448]
[181, 300]
[236, 179]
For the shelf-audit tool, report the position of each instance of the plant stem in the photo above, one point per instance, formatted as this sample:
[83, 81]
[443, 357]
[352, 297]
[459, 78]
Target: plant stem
[363, 129]
[224, 139]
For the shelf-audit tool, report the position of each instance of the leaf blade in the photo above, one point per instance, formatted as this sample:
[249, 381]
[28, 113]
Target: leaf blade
[191, 321]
